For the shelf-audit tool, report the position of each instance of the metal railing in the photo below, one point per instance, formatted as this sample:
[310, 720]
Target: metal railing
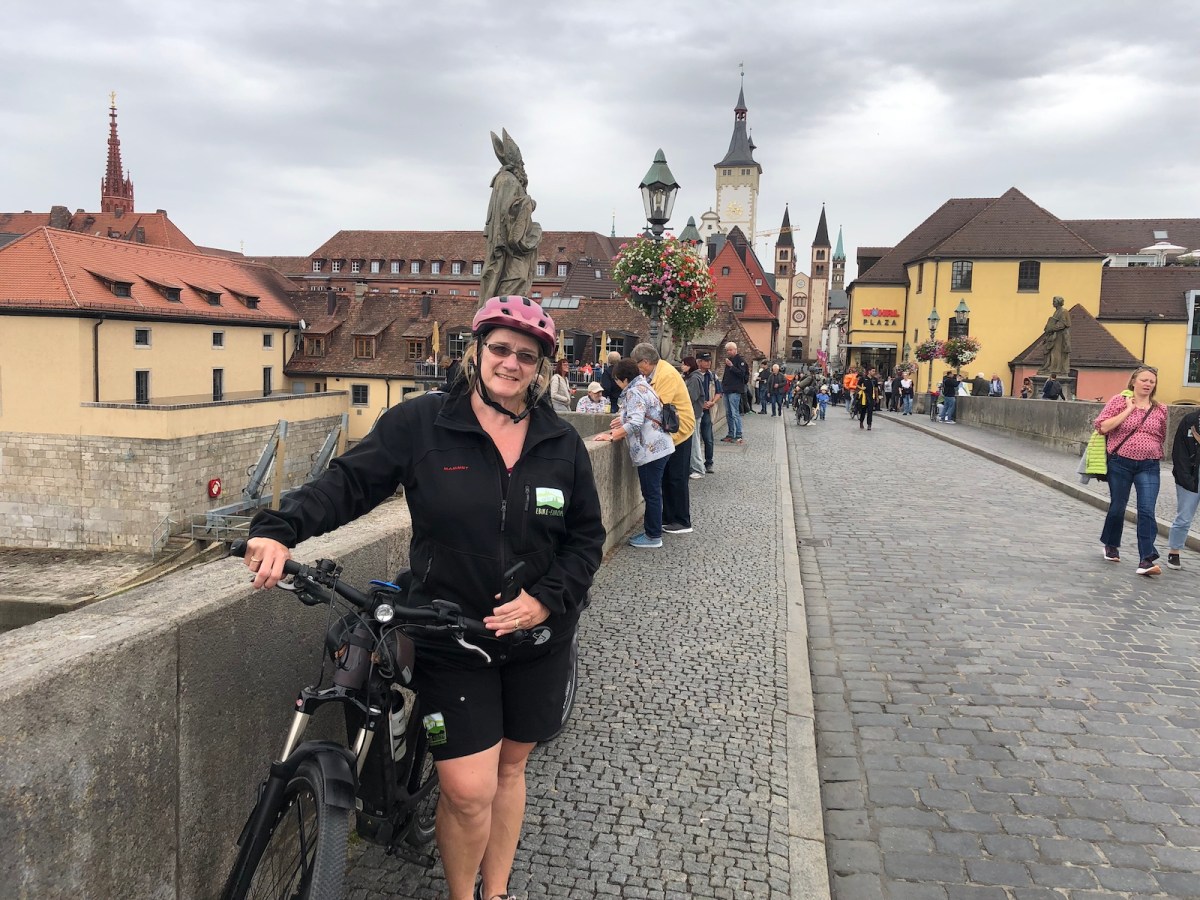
[160, 536]
[218, 527]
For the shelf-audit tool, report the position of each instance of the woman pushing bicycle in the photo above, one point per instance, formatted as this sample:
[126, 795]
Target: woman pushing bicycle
[492, 478]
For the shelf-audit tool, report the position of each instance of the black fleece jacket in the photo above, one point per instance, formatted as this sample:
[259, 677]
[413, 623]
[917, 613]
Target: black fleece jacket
[1185, 453]
[470, 521]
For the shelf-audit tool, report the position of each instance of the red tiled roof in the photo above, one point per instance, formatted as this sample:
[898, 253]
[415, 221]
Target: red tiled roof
[949, 217]
[1132, 235]
[1092, 346]
[1014, 226]
[1141, 292]
[762, 302]
[154, 228]
[49, 269]
[444, 246]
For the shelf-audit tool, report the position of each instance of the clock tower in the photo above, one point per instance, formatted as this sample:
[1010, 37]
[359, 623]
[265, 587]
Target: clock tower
[737, 178]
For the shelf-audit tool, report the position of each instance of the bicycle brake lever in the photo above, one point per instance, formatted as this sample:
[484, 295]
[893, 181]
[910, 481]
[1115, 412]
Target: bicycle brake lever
[467, 645]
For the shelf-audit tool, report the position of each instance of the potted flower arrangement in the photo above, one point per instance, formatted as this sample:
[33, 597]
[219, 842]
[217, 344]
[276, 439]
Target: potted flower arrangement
[930, 350]
[961, 350]
[667, 275]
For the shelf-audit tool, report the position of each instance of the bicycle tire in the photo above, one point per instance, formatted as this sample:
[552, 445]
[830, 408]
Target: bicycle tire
[424, 817]
[274, 865]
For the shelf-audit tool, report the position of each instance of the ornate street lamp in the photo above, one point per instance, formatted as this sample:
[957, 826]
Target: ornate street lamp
[658, 188]
[962, 312]
[933, 320]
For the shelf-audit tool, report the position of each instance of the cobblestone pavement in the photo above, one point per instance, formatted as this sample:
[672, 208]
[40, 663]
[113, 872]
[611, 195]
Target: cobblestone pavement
[671, 780]
[1000, 713]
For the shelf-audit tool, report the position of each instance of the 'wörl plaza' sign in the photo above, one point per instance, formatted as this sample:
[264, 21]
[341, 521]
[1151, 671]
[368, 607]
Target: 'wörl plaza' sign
[881, 317]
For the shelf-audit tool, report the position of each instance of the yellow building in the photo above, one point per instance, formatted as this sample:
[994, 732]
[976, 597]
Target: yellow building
[999, 263]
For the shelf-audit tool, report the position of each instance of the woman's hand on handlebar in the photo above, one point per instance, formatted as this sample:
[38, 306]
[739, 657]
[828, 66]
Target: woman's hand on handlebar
[520, 614]
[265, 558]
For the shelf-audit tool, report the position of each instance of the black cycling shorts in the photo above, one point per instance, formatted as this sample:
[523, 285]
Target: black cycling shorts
[467, 706]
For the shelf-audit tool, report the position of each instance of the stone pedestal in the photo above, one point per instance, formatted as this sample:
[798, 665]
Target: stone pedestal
[1067, 382]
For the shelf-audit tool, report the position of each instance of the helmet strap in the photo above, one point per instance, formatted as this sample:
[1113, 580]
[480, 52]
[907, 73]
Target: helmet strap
[482, 391]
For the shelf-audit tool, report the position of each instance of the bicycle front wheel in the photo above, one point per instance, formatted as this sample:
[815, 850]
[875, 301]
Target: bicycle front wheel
[300, 852]
[424, 820]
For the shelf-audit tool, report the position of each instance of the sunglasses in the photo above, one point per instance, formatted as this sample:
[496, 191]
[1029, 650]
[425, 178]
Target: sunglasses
[503, 351]
[1145, 369]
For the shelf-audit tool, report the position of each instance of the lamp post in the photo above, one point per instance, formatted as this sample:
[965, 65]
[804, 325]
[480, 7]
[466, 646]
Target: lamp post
[658, 188]
[962, 313]
[933, 320]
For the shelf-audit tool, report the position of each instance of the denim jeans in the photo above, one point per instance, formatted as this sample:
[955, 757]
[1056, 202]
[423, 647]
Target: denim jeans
[697, 454]
[1185, 510]
[650, 476]
[1143, 475]
[908, 404]
[733, 409]
[776, 403]
[762, 398]
[706, 435]
[948, 411]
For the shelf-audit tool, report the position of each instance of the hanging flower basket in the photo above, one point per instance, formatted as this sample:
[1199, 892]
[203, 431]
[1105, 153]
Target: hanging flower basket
[930, 350]
[961, 350]
[671, 276]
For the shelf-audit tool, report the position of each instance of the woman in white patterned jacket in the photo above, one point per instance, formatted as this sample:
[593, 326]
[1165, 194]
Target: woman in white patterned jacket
[640, 424]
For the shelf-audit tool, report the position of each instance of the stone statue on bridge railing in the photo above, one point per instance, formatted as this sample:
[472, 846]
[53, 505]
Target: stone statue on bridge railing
[1056, 342]
[512, 235]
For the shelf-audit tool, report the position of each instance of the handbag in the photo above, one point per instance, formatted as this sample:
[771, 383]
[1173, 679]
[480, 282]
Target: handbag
[670, 418]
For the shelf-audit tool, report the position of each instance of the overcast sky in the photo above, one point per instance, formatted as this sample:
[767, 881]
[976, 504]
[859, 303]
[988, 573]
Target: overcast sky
[272, 125]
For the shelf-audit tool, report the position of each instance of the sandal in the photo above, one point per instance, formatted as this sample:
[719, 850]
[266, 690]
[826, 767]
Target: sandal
[479, 894]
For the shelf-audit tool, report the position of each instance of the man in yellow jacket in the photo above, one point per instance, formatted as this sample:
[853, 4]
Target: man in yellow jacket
[668, 384]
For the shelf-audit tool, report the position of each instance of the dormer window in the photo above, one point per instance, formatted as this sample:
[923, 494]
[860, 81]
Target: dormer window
[355, 267]
[542, 269]
[414, 267]
[477, 268]
[395, 267]
[435, 267]
[376, 266]
[364, 348]
[739, 302]
[212, 298]
[335, 266]
[117, 285]
[562, 270]
[316, 265]
[314, 346]
[456, 268]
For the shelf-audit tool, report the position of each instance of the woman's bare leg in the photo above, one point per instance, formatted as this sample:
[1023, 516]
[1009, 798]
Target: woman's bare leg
[464, 816]
[508, 812]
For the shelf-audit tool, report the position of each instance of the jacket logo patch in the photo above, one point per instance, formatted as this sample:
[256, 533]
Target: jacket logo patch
[550, 502]
[455, 468]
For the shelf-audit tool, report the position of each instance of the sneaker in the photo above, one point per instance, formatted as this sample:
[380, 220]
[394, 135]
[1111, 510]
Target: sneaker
[709, 470]
[739, 441]
[1148, 567]
[644, 542]
[727, 440]
[1111, 553]
[673, 528]
[696, 475]
[1173, 561]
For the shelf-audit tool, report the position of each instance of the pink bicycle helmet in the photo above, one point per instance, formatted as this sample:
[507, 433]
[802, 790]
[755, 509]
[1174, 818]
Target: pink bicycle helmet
[519, 314]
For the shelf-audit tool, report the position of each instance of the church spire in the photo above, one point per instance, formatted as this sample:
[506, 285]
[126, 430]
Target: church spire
[839, 253]
[741, 148]
[785, 230]
[822, 238]
[116, 190]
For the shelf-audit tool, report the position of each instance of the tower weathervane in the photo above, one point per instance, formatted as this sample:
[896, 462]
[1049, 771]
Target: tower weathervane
[112, 98]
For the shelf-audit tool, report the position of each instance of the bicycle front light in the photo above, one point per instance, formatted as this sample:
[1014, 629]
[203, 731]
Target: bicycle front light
[384, 613]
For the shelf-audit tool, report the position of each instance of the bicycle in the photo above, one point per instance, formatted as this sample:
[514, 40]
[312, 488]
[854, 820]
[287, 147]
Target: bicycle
[804, 413]
[294, 842]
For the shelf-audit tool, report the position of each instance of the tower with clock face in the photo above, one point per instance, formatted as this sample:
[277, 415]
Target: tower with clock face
[737, 178]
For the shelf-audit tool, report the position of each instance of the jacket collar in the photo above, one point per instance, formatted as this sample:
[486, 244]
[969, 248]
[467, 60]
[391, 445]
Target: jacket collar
[456, 413]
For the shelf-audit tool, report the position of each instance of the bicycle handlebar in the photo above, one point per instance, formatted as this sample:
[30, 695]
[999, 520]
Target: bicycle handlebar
[441, 613]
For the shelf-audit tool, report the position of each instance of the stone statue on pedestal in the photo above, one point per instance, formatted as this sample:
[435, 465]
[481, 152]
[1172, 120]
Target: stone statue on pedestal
[1056, 342]
[512, 235]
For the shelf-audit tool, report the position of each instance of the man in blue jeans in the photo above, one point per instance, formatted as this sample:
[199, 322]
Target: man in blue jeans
[733, 385]
[949, 397]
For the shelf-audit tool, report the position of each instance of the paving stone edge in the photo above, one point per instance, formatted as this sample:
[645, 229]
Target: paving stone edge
[808, 866]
